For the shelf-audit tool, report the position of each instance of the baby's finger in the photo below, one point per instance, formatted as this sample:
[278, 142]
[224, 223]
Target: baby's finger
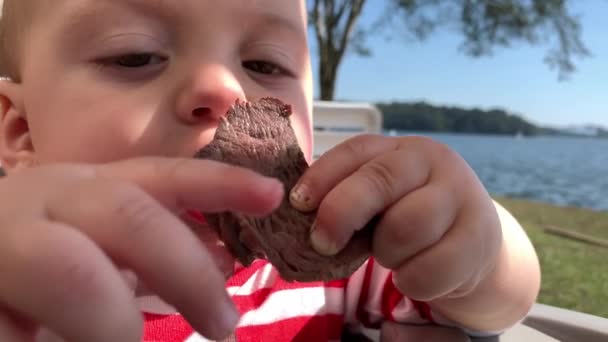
[335, 165]
[443, 268]
[62, 280]
[413, 224]
[366, 193]
[137, 231]
[203, 185]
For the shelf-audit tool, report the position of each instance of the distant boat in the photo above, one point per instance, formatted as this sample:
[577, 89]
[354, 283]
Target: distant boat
[519, 135]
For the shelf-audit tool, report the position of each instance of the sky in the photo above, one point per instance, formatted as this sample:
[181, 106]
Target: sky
[515, 79]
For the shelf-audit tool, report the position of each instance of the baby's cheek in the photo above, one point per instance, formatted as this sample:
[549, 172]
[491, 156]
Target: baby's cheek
[302, 126]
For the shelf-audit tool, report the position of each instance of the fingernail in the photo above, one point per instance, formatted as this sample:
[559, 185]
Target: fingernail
[300, 198]
[321, 242]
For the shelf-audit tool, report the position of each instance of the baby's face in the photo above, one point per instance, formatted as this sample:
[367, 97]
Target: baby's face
[113, 79]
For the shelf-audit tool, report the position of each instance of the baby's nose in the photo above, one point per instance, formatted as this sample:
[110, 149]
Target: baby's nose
[209, 93]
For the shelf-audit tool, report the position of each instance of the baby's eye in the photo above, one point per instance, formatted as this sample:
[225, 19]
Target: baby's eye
[135, 60]
[263, 67]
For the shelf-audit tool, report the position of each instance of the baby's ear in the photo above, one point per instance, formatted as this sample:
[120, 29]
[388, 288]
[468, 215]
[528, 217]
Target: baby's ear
[16, 148]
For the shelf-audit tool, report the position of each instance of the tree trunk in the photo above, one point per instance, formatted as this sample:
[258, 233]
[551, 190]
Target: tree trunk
[328, 72]
[334, 23]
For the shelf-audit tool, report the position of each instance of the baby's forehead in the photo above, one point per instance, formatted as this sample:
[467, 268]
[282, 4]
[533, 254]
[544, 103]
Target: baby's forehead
[291, 9]
[71, 16]
[18, 12]
[290, 14]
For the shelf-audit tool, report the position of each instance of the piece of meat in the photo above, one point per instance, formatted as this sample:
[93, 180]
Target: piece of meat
[259, 136]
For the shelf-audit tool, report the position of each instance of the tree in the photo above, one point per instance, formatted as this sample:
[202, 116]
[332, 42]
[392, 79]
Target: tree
[484, 24]
[425, 117]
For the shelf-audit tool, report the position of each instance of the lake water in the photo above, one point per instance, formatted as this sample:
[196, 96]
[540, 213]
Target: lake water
[558, 170]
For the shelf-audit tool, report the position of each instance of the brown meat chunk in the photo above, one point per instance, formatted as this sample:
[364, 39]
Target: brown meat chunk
[259, 136]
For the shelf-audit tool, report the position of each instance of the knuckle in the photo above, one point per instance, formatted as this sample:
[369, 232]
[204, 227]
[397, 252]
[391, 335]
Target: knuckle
[356, 146]
[330, 212]
[365, 138]
[172, 172]
[169, 169]
[380, 179]
[133, 209]
[80, 281]
[438, 150]
[418, 140]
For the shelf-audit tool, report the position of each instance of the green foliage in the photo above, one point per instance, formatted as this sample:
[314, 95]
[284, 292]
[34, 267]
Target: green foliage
[421, 116]
[483, 24]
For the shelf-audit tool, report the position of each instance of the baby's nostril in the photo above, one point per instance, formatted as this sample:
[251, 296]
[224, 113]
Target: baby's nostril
[200, 112]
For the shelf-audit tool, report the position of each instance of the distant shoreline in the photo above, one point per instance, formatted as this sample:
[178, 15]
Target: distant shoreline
[425, 117]
[388, 130]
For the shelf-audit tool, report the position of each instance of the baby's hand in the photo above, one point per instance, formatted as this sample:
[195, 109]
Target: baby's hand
[439, 231]
[67, 230]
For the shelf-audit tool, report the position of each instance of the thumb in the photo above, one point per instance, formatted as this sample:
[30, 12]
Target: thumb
[393, 332]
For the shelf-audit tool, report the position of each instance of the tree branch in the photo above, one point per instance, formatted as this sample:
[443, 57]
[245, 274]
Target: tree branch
[354, 14]
[342, 9]
[316, 18]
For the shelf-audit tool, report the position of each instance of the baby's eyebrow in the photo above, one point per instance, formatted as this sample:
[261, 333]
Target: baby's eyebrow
[274, 20]
[88, 17]
[91, 13]
[169, 8]
[163, 8]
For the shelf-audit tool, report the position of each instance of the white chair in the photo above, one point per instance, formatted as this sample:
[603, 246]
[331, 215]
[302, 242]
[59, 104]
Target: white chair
[335, 122]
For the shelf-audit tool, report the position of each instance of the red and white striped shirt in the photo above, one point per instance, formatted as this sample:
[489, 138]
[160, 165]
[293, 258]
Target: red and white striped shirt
[273, 309]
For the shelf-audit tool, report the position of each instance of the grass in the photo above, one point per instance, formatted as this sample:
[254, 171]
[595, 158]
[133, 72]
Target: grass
[574, 274]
